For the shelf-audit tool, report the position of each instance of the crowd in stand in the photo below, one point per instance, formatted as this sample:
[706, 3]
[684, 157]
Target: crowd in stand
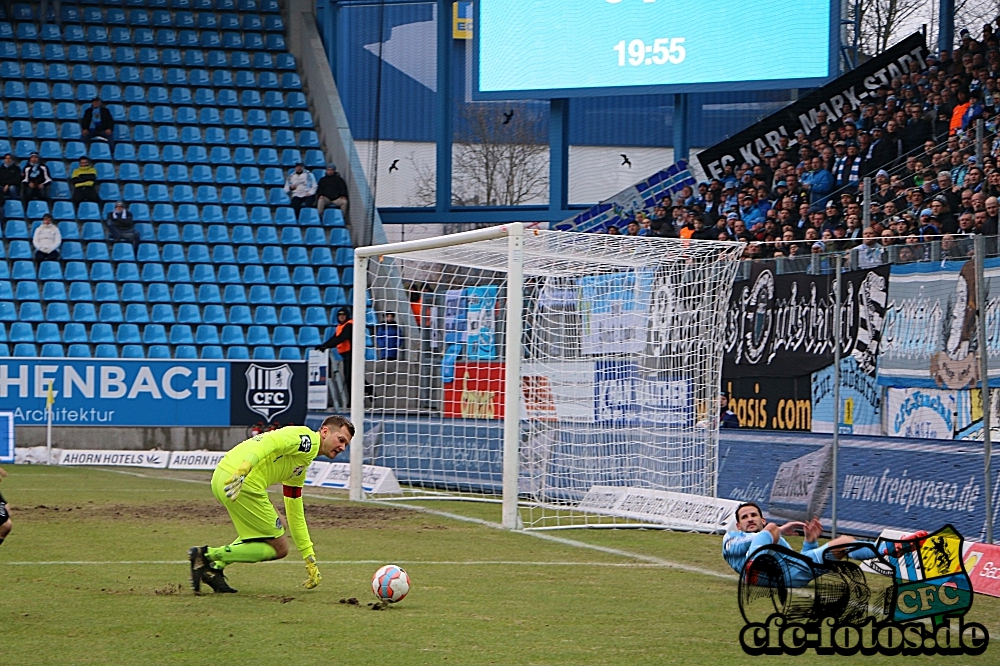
[915, 138]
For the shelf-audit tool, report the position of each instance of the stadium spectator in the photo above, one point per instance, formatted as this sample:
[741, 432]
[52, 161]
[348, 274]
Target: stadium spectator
[870, 253]
[97, 122]
[341, 340]
[121, 226]
[331, 191]
[387, 338]
[300, 185]
[46, 240]
[10, 180]
[35, 180]
[727, 418]
[818, 182]
[84, 180]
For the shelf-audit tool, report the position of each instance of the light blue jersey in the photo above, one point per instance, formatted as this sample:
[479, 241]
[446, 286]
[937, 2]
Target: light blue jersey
[738, 546]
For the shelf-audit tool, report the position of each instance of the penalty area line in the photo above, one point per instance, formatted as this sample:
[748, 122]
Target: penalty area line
[648, 559]
[473, 563]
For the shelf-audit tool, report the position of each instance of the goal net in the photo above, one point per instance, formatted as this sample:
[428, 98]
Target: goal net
[554, 371]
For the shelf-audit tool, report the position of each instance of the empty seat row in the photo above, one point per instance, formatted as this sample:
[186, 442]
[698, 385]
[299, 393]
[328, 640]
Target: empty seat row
[72, 13]
[141, 18]
[179, 80]
[140, 114]
[168, 57]
[56, 350]
[162, 313]
[104, 271]
[160, 37]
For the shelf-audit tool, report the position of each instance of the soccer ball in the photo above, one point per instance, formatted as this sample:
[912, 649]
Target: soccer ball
[390, 583]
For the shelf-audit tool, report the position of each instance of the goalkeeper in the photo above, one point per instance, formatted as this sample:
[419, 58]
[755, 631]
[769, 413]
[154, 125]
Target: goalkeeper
[240, 482]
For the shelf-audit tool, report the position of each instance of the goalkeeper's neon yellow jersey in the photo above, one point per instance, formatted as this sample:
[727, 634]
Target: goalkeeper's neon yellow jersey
[278, 456]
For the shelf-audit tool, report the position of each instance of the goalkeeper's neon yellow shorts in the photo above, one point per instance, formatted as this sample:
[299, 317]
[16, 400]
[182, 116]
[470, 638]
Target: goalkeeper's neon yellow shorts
[252, 513]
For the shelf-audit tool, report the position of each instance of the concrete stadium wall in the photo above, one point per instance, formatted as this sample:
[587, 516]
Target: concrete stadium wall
[132, 439]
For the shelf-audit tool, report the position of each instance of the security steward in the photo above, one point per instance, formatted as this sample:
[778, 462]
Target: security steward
[341, 339]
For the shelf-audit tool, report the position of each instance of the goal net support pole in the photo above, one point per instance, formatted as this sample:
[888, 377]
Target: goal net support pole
[512, 374]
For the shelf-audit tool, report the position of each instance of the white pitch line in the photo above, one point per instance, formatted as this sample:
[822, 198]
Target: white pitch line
[649, 559]
[479, 563]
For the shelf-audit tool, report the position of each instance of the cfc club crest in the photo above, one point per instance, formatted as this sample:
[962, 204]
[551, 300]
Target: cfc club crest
[269, 390]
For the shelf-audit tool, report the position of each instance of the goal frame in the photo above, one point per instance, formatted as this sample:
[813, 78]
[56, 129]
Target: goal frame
[514, 233]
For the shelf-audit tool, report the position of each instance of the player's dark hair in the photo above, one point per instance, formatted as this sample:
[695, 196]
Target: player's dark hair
[336, 422]
[738, 509]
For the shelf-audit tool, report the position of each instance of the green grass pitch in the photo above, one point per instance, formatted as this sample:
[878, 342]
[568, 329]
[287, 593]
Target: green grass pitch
[95, 573]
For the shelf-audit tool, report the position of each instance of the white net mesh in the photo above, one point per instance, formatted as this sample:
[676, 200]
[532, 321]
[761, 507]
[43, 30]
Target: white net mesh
[621, 353]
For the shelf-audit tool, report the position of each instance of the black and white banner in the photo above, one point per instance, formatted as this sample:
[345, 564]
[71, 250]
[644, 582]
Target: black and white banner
[782, 325]
[843, 94]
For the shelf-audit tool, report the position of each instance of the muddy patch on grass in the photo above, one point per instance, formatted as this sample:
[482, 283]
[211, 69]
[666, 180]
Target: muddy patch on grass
[210, 512]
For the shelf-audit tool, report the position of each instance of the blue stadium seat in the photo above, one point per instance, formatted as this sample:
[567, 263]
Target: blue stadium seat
[153, 272]
[291, 316]
[20, 250]
[328, 277]
[154, 334]
[132, 292]
[303, 275]
[25, 270]
[178, 273]
[106, 292]
[98, 252]
[202, 174]
[198, 254]
[102, 333]
[84, 313]
[127, 272]
[260, 295]
[149, 153]
[25, 350]
[207, 334]
[80, 291]
[332, 217]
[212, 214]
[256, 196]
[265, 315]
[310, 295]
[297, 256]
[183, 293]
[256, 118]
[128, 334]
[136, 313]
[272, 255]
[75, 333]
[7, 311]
[321, 256]
[243, 235]
[284, 217]
[163, 314]
[316, 316]
[78, 351]
[183, 194]
[283, 336]
[258, 335]
[252, 274]
[291, 236]
[133, 351]
[186, 352]
[233, 335]
[149, 253]
[215, 314]
[27, 291]
[188, 313]
[180, 334]
[266, 235]
[21, 332]
[106, 351]
[219, 234]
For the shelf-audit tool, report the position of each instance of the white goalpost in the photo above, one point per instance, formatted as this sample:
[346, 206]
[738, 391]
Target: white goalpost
[573, 377]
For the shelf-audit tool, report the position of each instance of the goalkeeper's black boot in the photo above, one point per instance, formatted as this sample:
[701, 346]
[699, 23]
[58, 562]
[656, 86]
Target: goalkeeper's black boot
[216, 580]
[199, 562]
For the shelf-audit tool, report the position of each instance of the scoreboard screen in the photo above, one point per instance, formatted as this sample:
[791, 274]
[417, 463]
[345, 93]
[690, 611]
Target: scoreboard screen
[560, 48]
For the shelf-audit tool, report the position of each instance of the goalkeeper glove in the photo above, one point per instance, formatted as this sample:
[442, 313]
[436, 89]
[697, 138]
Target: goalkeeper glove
[235, 483]
[313, 571]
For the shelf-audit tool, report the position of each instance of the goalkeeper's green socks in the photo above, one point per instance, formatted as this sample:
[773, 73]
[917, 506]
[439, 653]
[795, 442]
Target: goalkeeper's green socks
[254, 551]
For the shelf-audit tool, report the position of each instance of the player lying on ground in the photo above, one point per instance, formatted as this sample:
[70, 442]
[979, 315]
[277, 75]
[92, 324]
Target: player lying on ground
[240, 482]
[753, 532]
[5, 524]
